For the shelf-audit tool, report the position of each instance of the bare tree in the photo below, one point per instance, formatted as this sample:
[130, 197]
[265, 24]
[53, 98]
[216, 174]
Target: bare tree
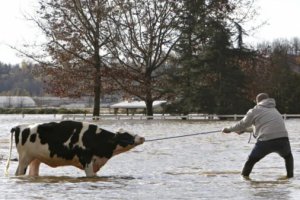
[295, 42]
[74, 54]
[144, 37]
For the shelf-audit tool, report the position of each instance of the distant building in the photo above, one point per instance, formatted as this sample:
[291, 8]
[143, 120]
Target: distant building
[49, 101]
[66, 102]
[16, 102]
[134, 105]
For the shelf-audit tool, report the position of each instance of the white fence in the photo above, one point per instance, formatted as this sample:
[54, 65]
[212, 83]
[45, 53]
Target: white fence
[163, 117]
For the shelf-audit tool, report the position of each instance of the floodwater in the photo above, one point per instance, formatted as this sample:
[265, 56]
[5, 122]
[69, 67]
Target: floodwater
[205, 166]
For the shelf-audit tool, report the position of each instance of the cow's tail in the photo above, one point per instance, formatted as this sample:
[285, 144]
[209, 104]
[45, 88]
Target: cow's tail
[10, 150]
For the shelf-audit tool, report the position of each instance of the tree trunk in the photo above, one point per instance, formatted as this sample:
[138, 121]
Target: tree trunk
[149, 107]
[97, 91]
[97, 84]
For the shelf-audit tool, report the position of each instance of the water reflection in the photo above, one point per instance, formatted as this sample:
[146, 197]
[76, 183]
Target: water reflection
[67, 179]
[272, 189]
[219, 173]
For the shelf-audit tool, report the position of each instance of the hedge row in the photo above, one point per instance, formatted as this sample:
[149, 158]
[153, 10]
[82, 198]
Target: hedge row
[41, 111]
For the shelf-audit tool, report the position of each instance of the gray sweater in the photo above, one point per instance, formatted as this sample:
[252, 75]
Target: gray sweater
[266, 121]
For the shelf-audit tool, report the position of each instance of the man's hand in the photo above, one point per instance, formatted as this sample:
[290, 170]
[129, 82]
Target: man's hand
[226, 130]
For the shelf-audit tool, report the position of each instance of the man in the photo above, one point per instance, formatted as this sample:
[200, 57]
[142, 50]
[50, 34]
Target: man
[270, 132]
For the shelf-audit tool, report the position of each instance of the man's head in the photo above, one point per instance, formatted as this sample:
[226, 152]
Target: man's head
[261, 96]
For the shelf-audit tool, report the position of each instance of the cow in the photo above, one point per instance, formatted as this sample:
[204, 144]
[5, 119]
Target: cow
[68, 143]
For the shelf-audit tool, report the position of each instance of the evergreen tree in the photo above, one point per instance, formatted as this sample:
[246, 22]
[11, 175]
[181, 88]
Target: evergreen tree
[209, 78]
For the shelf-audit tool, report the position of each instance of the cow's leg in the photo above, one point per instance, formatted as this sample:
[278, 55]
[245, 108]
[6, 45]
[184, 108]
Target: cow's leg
[23, 164]
[98, 163]
[17, 171]
[21, 169]
[89, 170]
[34, 167]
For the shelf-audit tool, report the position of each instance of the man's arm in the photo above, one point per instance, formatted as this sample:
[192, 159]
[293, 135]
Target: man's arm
[244, 125]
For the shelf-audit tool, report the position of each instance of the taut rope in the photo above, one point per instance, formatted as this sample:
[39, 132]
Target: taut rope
[179, 136]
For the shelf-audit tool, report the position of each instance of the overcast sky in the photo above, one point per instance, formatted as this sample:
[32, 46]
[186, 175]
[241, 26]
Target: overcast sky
[282, 16]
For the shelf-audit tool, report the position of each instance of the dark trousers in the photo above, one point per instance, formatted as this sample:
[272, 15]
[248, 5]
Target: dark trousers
[263, 148]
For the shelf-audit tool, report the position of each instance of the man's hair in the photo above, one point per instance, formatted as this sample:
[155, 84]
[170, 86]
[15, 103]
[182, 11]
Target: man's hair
[261, 96]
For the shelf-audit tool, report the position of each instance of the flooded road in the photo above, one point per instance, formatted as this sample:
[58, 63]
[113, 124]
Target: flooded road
[197, 167]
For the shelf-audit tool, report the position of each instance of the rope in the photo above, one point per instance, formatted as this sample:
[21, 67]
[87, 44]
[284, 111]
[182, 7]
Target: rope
[179, 136]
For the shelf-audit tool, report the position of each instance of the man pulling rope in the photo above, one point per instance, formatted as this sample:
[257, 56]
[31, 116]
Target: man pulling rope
[270, 132]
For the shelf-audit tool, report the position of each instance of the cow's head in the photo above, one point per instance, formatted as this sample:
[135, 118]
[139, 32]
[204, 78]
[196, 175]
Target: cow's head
[126, 141]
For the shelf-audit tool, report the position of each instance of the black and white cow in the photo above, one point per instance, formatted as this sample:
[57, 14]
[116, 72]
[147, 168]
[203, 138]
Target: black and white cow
[80, 144]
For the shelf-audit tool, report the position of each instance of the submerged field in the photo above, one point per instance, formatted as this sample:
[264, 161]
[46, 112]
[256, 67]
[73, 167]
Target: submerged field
[196, 167]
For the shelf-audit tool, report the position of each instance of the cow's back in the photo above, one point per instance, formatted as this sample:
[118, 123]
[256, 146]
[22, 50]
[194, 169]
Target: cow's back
[59, 132]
